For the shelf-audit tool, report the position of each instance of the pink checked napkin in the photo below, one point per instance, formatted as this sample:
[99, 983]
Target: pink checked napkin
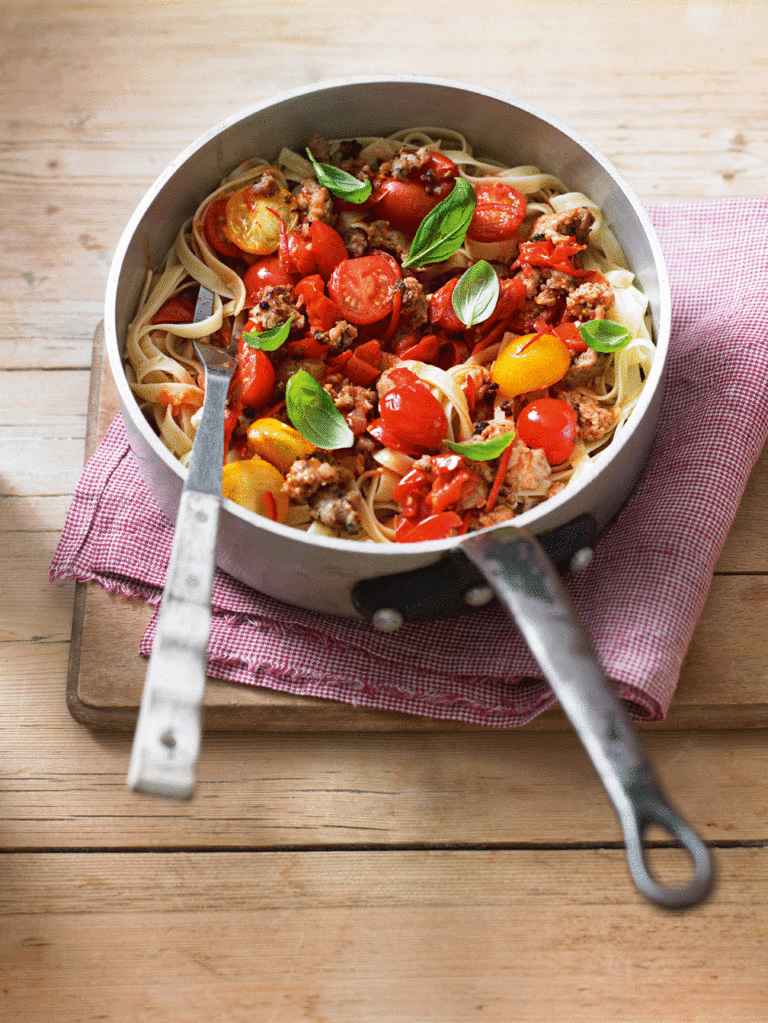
[639, 600]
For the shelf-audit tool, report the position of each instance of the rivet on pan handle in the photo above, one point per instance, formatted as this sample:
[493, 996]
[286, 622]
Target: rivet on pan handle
[526, 582]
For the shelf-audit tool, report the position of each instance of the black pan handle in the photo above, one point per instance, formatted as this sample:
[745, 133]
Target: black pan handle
[527, 583]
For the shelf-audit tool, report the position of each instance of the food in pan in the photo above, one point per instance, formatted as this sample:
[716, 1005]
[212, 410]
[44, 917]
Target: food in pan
[429, 342]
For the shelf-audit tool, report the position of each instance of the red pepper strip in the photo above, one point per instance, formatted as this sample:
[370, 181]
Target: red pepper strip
[360, 372]
[397, 304]
[426, 350]
[230, 422]
[494, 334]
[569, 333]
[501, 472]
[271, 504]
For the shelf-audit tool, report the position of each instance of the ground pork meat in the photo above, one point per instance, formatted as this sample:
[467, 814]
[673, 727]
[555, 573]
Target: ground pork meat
[354, 402]
[275, 306]
[315, 202]
[337, 511]
[339, 337]
[356, 241]
[584, 368]
[329, 490]
[591, 300]
[415, 303]
[267, 187]
[594, 420]
[382, 236]
[528, 468]
[319, 148]
[567, 226]
[400, 166]
[555, 285]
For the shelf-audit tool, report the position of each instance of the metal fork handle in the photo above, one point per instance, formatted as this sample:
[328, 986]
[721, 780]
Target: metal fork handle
[167, 738]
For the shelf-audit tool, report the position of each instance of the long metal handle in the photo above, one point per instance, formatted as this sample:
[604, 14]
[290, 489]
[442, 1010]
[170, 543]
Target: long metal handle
[167, 739]
[527, 583]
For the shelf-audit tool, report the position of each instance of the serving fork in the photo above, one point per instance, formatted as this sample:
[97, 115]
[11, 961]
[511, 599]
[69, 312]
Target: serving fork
[166, 742]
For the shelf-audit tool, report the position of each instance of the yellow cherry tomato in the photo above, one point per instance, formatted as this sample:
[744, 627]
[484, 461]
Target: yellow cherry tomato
[249, 220]
[277, 442]
[530, 365]
[248, 483]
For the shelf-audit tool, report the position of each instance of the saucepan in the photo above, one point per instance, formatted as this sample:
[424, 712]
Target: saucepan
[518, 563]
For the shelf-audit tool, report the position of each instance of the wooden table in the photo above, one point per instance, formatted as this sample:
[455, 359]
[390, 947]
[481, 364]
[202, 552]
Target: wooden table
[377, 871]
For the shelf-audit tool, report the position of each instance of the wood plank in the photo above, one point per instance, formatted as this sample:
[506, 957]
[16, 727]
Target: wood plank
[63, 787]
[524, 935]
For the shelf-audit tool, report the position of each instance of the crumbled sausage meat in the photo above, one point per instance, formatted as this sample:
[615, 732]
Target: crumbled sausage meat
[382, 236]
[315, 202]
[267, 187]
[356, 241]
[339, 337]
[329, 490]
[567, 226]
[354, 402]
[404, 163]
[584, 368]
[594, 420]
[319, 148]
[591, 300]
[415, 303]
[275, 306]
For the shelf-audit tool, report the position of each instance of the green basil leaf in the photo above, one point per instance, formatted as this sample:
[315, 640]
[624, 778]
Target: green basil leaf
[476, 294]
[269, 340]
[604, 335]
[444, 228]
[343, 185]
[311, 410]
[482, 450]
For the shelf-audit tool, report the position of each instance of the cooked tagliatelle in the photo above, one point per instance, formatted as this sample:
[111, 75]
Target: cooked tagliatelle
[429, 343]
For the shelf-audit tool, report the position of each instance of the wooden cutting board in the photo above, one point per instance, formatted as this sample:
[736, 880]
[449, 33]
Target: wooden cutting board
[724, 680]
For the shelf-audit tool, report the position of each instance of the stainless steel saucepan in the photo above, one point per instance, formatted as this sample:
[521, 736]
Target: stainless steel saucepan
[389, 584]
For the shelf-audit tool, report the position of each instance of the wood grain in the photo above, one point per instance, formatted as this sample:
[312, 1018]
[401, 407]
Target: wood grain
[434, 877]
[423, 936]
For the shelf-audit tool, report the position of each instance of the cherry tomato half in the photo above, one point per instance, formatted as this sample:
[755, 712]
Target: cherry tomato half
[411, 412]
[266, 272]
[531, 362]
[253, 382]
[214, 224]
[251, 222]
[441, 312]
[328, 248]
[549, 424]
[363, 288]
[499, 212]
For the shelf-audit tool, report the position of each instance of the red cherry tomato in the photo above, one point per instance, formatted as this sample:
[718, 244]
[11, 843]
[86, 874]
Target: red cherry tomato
[404, 204]
[179, 309]
[328, 248]
[321, 310]
[441, 313]
[412, 413]
[549, 424]
[213, 226]
[253, 382]
[434, 527]
[363, 288]
[499, 212]
[266, 272]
